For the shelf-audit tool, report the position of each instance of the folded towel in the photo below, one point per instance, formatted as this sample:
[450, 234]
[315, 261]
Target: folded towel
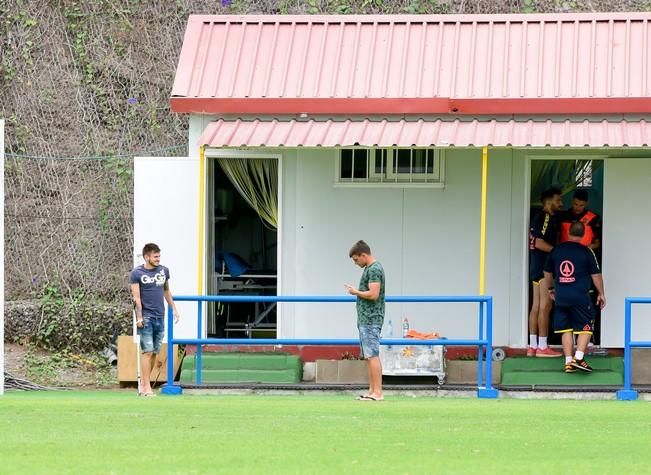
[422, 336]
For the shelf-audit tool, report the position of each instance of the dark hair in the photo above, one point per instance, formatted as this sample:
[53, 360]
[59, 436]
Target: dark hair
[549, 194]
[577, 229]
[149, 248]
[360, 247]
[581, 195]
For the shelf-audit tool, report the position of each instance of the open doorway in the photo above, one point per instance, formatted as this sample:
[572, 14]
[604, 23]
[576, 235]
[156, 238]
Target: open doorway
[242, 244]
[581, 176]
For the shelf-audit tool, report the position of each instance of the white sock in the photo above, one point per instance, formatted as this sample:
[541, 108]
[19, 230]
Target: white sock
[578, 355]
[533, 341]
[568, 359]
[542, 342]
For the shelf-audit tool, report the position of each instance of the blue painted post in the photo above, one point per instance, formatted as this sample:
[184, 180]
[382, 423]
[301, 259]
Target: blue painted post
[627, 394]
[480, 358]
[169, 387]
[488, 392]
[199, 329]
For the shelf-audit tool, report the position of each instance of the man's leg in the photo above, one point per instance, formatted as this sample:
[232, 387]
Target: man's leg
[545, 305]
[146, 364]
[568, 351]
[370, 377]
[568, 344]
[148, 356]
[582, 341]
[579, 361]
[583, 317]
[533, 319]
[375, 377]
[544, 310]
[370, 343]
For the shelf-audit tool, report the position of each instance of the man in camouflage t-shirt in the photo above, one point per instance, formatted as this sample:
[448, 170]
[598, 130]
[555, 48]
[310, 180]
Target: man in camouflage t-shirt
[370, 315]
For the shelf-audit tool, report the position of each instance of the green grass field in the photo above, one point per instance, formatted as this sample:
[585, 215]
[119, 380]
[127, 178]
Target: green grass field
[119, 433]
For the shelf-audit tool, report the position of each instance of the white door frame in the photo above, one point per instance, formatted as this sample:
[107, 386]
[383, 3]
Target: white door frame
[529, 157]
[211, 153]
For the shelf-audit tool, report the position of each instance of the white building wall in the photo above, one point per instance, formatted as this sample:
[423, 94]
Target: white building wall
[426, 239]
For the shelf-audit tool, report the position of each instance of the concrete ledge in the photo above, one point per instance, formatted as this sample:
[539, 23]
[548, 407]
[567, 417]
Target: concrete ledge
[341, 371]
[465, 371]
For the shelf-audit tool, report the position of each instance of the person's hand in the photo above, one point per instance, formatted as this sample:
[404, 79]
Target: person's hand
[350, 289]
[177, 316]
[552, 294]
[601, 301]
[140, 323]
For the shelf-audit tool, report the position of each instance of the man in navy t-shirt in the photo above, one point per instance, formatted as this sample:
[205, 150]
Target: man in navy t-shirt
[150, 287]
[573, 268]
[543, 236]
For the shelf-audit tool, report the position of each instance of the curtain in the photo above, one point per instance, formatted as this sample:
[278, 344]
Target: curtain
[256, 180]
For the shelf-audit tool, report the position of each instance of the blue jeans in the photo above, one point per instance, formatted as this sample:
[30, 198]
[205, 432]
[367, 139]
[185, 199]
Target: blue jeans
[151, 334]
[369, 339]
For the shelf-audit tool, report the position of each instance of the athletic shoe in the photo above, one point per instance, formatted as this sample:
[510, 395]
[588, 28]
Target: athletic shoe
[581, 365]
[531, 351]
[569, 368]
[547, 353]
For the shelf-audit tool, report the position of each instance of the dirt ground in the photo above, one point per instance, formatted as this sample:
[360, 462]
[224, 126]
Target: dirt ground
[54, 369]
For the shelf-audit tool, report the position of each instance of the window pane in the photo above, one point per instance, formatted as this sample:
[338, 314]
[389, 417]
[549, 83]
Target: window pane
[346, 165]
[381, 161]
[423, 161]
[583, 173]
[403, 160]
[360, 164]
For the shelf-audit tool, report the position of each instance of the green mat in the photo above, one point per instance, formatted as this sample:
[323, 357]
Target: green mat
[522, 371]
[243, 368]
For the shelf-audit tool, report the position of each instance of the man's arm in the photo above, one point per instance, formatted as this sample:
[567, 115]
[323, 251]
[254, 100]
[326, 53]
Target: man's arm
[135, 292]
[549, 282]
[598, 282]
[543, 245]
[167, 293]
[540, 229]
[373, 292]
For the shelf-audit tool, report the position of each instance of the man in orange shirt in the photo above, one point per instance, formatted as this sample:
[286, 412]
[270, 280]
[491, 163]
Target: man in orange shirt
[580, 212]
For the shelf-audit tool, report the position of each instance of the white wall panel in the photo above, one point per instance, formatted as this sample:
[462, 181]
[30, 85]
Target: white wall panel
[426, 239]
[626, 231]
[166, 212]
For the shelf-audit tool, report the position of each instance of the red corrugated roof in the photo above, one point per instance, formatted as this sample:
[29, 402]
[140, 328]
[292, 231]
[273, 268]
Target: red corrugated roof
[424, 133]
[254, 64]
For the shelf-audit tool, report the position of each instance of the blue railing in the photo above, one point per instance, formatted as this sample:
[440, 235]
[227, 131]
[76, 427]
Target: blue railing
[629, 394]
[484, 340]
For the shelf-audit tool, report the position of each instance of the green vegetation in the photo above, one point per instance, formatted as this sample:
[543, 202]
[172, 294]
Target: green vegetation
[117, 432]
[67, 368]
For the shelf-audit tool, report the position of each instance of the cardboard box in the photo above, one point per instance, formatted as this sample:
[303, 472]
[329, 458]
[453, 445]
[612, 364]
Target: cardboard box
[127, 359]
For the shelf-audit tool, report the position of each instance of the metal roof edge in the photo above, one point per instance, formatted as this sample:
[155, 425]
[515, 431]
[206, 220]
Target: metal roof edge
[418, 105]
[435, 118]
[446, 18]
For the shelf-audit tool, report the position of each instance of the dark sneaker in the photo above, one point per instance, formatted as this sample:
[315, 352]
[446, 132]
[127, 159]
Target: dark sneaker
[569, 368]
[581, 365]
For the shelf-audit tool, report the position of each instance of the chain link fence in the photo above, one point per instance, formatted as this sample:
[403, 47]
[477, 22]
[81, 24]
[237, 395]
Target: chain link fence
[68, 227]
